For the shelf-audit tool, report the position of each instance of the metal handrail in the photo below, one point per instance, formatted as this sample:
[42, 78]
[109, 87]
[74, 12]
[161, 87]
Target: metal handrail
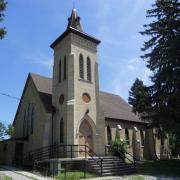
[123, 156]
[100, 159]
[47, 152]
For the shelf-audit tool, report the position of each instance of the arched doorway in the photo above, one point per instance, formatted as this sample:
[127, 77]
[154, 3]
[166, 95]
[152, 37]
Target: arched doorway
[85, 137]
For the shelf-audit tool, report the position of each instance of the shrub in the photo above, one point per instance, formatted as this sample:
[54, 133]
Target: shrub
[119, 148]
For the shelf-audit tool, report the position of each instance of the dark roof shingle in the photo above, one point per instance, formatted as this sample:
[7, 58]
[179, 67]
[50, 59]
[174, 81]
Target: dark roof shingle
[112, 106]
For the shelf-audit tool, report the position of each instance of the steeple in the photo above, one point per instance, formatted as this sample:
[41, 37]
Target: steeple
[74, 21]
[74, 26]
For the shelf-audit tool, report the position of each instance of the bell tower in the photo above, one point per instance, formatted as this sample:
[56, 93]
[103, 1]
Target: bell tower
[75, 93]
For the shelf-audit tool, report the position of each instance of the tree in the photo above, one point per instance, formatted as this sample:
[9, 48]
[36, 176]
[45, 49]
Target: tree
[162, 54]
[10, 130]
[139, 97]
[175, 145]
[2, 131]
[2, 8]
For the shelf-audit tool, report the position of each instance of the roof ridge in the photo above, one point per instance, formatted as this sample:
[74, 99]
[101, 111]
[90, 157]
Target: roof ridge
[35, 74]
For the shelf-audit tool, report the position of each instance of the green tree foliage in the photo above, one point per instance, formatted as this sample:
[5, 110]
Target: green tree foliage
[10, 130]
[139, 97]
[2, 9]
[2, 131]
[162, 55]
[175, 144]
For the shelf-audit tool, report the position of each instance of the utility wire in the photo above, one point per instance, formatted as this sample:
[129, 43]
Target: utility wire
[9, 96]
[13, 97]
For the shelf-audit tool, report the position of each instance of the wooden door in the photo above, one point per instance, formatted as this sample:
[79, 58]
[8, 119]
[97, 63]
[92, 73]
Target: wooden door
[85, 137]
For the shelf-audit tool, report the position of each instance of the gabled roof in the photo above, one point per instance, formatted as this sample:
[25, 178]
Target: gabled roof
[43, 84]
[112, 106]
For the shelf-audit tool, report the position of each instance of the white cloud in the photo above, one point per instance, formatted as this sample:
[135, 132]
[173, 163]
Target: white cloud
[131, 67]
[124, 74]
[41, 60]
[145, 76]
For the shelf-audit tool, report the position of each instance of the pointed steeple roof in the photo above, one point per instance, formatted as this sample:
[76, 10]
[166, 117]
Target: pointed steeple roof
[74, 21]
[74, 26]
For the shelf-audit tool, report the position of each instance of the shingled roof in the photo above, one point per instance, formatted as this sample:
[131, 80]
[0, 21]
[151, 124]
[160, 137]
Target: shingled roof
[112, 106]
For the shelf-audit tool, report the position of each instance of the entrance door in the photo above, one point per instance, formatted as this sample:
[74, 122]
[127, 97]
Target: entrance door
[85, 137]
[19, 148]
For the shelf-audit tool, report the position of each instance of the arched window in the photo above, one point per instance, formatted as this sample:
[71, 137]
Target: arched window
[59, 71]
[81, 66]
[64, 67]
[24, 122]
[127, 136]
[61, 131]
[109, 138]
[88, 69]
[142, 137]
[32, 119]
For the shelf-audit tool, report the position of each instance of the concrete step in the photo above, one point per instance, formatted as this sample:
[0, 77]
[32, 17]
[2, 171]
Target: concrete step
[111, 166]
[106, 160]
[106, 163]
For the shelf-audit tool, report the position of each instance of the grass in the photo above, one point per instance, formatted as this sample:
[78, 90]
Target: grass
[3, 177]
[160, 168]
[74, 176]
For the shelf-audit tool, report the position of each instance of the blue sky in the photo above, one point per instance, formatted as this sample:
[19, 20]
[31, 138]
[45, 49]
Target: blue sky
[33, 25]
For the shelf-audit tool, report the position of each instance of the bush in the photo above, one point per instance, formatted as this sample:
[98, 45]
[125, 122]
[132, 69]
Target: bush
[119, 148]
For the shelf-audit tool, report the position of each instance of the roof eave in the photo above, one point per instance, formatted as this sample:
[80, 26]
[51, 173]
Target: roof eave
[84, 35]
[132, 121]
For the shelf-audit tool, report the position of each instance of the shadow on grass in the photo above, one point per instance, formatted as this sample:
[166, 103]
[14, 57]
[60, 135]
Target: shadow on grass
[161, 167]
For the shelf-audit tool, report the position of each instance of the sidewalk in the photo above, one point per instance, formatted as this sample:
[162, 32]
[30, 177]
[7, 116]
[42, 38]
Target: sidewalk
[135, 177]
[18, 174]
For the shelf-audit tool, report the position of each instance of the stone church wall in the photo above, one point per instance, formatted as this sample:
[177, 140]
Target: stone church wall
[135, 146]
[41, 119]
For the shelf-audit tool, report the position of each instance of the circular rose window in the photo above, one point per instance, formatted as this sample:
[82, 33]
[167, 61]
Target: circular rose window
[61, 99]
[86, 97]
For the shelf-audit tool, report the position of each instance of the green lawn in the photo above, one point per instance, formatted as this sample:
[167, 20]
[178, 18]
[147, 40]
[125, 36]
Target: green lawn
[74, 176]
[161, 167]
[3, 177]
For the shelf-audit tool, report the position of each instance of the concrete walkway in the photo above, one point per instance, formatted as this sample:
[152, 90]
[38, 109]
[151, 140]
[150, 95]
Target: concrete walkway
[17, 174]
[133, 177]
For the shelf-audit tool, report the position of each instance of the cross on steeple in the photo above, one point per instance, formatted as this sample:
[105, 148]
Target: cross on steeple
[73, 4]
[74, 21]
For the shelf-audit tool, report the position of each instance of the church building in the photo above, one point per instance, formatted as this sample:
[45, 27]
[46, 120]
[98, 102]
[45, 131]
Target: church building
[69, 108]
